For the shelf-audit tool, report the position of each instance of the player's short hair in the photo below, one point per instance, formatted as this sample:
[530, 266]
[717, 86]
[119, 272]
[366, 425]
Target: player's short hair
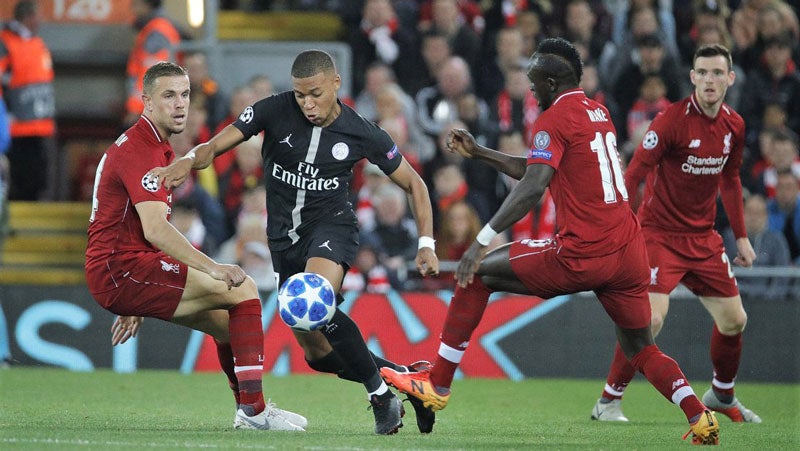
[24, 9]
[564, 49]
[311, 62]
[158, 70]
[711, 50]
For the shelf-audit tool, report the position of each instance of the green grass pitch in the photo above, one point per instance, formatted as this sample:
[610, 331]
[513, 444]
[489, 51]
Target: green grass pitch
[51, 409]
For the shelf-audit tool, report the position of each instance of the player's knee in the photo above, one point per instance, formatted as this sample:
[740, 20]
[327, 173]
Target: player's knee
[656, 322]
[733, 325]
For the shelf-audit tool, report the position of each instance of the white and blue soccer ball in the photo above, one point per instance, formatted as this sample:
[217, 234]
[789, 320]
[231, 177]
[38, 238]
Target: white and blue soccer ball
[306, 301]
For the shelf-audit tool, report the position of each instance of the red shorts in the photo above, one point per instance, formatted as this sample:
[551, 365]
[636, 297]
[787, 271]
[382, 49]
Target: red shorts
[697, 261]
[619, 280]
[147, 284]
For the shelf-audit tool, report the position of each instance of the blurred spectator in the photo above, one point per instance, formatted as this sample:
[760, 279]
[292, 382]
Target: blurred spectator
[619, 55]
[435, 50]
[381, 37]
[529, 23]
[247, 249]
[590, 83]
[775, 80]
[651, 101]
[705, 15]
[652, 59]
[395, 233]
[515, 108]
[157, 40]
[397, 115]
[5, 142]
[474, 112]
[185, 217]
[493, 71]
[450, 186]
[367, 275]
[756, 22]
[262, 86]
[459, 224]
[580, 23]
[662, 13]
[438, 104]
[200, 81]
[26, 83]
[784, 212]
[771, 250]
[433, 13]
[781, 154]
[241, 98]
[447, 20]
[373, 177]
[245, 172]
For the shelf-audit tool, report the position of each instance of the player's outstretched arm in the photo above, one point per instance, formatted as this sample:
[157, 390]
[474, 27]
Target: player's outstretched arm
[164, 236]
[198, 158]
[407, 178]
[462, 142]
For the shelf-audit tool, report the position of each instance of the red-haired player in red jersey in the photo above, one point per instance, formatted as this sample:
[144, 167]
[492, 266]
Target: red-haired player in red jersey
[599, 245]
[691, 152]
[138, 264]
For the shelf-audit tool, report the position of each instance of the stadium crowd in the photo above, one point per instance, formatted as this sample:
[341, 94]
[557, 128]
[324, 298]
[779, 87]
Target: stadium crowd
[423, 67]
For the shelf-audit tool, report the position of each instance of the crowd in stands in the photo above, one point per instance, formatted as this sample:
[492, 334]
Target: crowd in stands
[423, 67]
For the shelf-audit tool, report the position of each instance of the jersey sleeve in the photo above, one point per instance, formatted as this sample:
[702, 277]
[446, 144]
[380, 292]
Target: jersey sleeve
[731, 185]
[133, 167]
[548, 144]
[254, 119]
[382, 151]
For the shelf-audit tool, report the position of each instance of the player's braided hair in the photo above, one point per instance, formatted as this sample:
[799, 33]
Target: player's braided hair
[564, 49]
[311, 62]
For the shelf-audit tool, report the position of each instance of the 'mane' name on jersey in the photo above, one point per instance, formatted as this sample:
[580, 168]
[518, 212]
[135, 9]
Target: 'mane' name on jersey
[307, 169]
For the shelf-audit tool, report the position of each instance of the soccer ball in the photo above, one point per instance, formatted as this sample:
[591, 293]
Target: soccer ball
[306, 301]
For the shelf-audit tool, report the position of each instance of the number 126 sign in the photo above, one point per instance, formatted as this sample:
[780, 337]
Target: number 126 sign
[82, 11]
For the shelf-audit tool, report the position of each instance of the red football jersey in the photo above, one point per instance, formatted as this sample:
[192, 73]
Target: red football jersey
[575, 136]
[686, 156]
[120, 183]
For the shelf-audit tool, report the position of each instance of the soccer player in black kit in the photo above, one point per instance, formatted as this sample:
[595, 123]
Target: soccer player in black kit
[311, 143]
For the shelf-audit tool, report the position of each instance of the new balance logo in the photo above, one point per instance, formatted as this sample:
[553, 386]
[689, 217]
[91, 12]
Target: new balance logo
[654, 276]
[286, 140]
[694, 144]
[678, 383]
[326, 245]
[417, 387]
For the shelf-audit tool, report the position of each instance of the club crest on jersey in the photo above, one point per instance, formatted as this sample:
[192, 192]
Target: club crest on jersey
[170, 267]
[541, 140]
[392, 153]
[247, 115]
[340, 151]
[150, 182]
[650, 140]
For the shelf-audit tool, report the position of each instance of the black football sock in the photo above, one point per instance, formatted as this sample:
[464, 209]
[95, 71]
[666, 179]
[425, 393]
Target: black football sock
[346, 339]
[333, 364]
[380, 362]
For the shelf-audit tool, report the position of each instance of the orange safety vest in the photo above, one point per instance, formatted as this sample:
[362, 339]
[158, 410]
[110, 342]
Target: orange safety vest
[148, 49]
[29, 94]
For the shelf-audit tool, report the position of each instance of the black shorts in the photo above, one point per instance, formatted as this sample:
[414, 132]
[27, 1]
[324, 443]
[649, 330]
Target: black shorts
[334, 241]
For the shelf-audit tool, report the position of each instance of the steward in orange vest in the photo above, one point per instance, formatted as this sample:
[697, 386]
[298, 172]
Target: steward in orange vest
[26, 69]
[157, 40]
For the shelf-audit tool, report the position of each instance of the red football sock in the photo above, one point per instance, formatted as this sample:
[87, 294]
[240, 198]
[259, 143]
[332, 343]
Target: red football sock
[463, 316]
[619, 375]
[225, 356]
[726, 352]
[247, 344]
[667, 377]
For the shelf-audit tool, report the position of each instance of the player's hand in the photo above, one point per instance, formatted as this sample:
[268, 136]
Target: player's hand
[174, 174]
[232, 275]
[469, 264]
[427, 262]
[461, 142]
[125, 327]
[745, 255]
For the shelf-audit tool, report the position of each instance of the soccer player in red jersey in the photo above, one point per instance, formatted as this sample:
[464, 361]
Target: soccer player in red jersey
[691, 152]
[599, 245]
[138, 264]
